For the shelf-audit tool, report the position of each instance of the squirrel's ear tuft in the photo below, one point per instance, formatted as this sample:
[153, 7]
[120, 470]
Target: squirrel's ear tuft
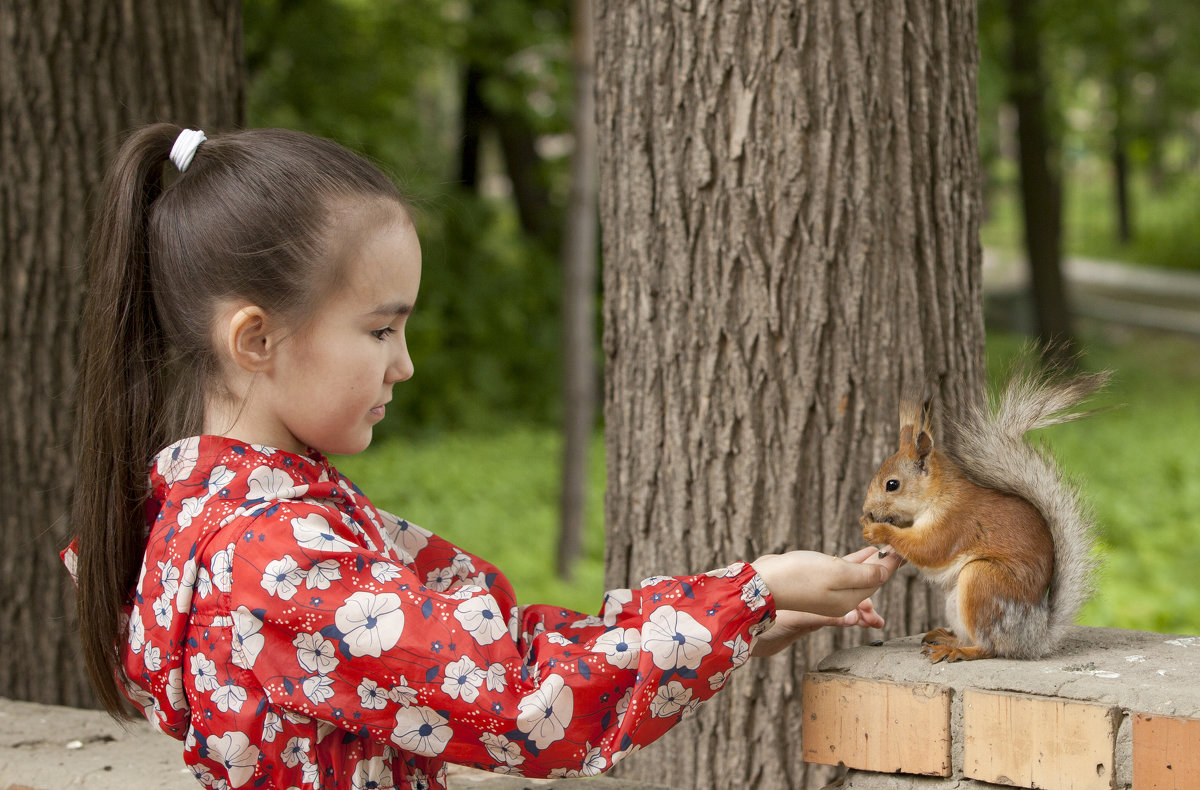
[906, 436]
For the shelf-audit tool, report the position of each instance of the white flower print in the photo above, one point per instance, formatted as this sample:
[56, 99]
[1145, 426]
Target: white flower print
[754, 593]
[408, 537]
[219, 477]
[137, 631]
[315, 653]
[545, 713]
[482, 619]
[675, 639]
[296, 751]
[177, 461]
[371, 696]
[463, 678]
[588, 621]
[152, 658]
[556, 638]
[384, 572]
[268, 483]
[497, 677]
[439, 579]
[730, 570]
[740, 648]
[272, 726]
[501, 749]
[623, 706]
[593, 761]
[464, 591]
[422, 731]
[247, 642]
[620, 646]
[204, 583]
[462, 565]
[715, 682]
[176, 695]
[239, 756]
[205, 672]
[614, 604]
[321, 574]
[317, 688]
[373, 774]
[402, 693]
[308, 774]
[314, 532]
[370, 623]
[669, 699]
[187, 586]
[163, 610]
[650, 581]
[281, 577]
[170, 578]
[221, 568]
[229, 698]
[189, 509]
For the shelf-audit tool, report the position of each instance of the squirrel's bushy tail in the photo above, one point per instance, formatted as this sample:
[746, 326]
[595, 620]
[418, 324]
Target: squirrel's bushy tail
[989, 446]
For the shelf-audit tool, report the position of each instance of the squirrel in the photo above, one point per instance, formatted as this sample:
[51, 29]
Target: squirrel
[990, 520]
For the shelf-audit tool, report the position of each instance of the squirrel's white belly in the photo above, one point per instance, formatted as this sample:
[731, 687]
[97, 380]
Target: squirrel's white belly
[946, 577]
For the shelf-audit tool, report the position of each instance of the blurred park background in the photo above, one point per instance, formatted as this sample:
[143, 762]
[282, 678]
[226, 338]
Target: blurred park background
[470, 104]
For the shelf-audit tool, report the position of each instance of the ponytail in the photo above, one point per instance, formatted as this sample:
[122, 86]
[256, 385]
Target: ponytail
[119, 398]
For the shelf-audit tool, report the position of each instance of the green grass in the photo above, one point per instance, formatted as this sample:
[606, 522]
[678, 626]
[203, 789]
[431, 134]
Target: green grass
[496, 495]
[1166, 224]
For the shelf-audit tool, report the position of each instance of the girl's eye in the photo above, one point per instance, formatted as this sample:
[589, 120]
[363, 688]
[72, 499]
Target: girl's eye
[892, 484]
[383, 334]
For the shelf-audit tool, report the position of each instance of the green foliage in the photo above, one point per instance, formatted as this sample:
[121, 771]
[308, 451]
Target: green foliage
[387, 79]
[1139, 467]
[496, 496]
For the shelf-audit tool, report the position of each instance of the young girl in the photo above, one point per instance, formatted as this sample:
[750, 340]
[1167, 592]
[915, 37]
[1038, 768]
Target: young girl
[247, 301]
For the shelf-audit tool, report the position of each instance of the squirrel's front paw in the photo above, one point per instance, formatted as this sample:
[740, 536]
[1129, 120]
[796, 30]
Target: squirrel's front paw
[876, 534]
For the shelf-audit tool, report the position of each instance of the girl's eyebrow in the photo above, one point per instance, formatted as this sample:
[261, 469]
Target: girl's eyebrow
[392, 309]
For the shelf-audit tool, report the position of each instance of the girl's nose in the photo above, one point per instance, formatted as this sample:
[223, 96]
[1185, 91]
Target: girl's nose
[401, 367]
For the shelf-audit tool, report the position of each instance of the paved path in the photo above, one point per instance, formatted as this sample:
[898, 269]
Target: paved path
[1120, 293]
[48, 747]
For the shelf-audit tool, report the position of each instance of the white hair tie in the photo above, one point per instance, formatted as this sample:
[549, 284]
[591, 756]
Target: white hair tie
[185, 147]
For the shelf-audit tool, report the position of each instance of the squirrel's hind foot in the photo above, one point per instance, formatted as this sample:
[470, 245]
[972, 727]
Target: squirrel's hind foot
[940, 636]
[941, 644]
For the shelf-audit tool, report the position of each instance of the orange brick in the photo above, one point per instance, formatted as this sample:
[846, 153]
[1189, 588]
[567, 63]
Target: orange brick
[1166, 753]
[876, 726]
[1029, 741]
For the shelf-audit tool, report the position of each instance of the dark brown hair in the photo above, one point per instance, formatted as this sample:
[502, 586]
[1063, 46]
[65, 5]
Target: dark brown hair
[249, 219]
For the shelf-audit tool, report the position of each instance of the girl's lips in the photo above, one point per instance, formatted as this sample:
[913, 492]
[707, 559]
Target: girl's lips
[379, 410]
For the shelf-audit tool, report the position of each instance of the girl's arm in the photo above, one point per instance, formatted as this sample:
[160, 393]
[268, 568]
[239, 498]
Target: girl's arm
[464, 674]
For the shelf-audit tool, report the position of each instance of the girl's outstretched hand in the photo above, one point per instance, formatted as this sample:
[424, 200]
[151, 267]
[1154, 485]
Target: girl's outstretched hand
[790, 626]
[812, 590]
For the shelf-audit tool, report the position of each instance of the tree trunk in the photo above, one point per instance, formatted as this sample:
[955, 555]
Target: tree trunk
[1041, 186]
[790, 209]
[74, 76]
[579, 331]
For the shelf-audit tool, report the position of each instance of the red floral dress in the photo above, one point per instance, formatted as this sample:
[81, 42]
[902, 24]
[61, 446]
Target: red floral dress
[293, 636]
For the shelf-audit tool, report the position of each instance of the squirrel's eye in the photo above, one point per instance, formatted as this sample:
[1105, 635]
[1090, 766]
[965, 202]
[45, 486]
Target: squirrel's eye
[892, 484]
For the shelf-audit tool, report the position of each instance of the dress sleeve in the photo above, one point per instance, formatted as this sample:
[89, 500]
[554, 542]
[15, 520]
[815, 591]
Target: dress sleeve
[334, 631]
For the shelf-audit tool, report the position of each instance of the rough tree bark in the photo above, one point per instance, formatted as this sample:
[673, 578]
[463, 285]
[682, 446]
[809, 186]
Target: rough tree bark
[790, 210]
[74, 75]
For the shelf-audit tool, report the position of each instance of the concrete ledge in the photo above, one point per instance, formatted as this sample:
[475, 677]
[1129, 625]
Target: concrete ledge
[1109, 704]
[48, 747]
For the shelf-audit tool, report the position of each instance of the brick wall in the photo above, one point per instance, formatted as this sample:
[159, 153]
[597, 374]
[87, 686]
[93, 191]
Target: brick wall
[1111, 709]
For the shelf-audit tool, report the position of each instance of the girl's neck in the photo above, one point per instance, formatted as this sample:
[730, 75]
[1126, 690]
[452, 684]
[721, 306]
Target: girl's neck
[238, 420]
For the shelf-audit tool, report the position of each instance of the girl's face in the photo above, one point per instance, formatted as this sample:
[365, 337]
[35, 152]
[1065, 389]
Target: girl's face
[331, 381]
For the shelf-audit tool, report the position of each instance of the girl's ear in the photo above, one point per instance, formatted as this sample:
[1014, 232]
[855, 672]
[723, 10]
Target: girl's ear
[248, 338]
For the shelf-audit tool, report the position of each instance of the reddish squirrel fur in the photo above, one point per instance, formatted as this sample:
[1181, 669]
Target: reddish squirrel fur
[990, 520]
